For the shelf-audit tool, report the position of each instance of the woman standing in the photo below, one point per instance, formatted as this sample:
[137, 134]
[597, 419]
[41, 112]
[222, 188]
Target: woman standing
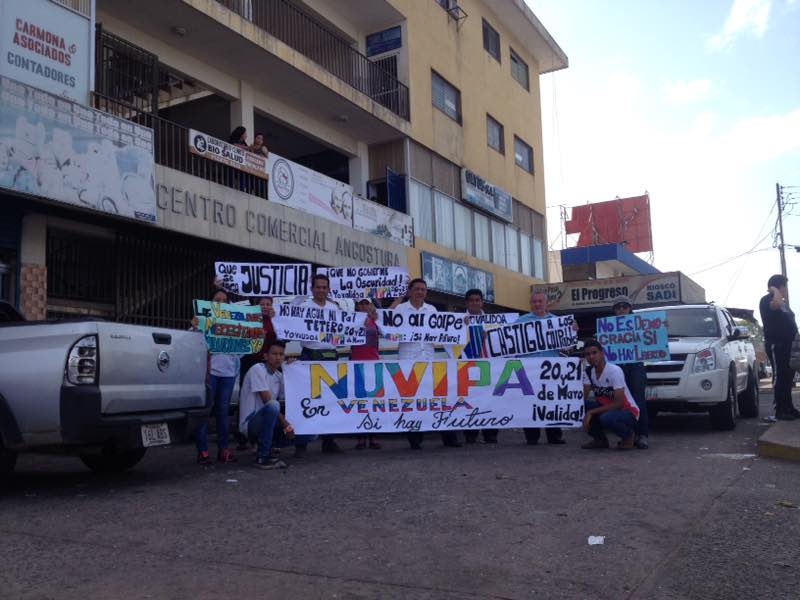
[258, 145]
[367, 351]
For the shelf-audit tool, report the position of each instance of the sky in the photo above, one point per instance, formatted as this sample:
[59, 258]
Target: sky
[695, 102]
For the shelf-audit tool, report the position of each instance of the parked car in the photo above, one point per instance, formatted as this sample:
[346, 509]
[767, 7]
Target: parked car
[710, 368]
[102, 391]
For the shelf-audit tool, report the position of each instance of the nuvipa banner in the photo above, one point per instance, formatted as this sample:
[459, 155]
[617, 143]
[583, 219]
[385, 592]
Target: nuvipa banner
[230, 328]
[446, 395]
[366, 282]
[306, 323]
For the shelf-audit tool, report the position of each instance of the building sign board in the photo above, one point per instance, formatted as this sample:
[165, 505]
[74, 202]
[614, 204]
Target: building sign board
[491, 198]
[444, 275]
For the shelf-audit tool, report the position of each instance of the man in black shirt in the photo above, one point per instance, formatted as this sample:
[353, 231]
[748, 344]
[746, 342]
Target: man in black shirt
[779, 331]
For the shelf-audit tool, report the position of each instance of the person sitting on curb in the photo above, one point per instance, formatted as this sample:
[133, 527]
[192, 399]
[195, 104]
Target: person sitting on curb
[259, 408]
[613, 407]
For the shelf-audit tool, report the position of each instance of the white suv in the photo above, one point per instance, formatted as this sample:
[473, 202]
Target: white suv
[709, 369]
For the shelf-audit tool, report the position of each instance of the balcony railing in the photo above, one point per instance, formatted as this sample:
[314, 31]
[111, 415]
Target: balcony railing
[171, 147]
[298, 30]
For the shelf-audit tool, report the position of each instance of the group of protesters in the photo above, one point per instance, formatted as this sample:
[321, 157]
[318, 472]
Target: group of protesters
[617, 404]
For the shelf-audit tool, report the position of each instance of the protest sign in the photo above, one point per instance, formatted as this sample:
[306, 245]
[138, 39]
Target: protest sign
[264, 279]
[634, 338]
[220, 151]
[306, 323]
[230, 328]
[366, 282]
[486, 321]
[426, 327]
[527, 337]
[448, 395]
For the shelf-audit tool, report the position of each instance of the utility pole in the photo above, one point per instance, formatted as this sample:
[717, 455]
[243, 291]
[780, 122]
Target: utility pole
[779, 199]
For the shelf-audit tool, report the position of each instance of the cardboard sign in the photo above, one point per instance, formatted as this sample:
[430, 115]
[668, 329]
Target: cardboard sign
[425, 327]
[264, 279]
[230, 328]
[634, 338]
[527, 337]
[306, 323]
[367, 282]
[449, 395]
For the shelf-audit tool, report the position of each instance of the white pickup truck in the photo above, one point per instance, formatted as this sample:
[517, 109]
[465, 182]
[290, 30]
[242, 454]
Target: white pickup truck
[102, 391]
[710, 368]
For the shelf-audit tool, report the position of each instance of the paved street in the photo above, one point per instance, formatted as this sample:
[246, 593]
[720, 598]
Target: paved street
[696, 516]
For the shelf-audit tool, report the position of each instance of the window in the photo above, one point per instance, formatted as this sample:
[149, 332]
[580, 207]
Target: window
[491, 40]
[523, 155]
[495, 137]
[483, 249]
[525, 266]
[519, 70]
[498, 243]
[512, 248]
[443, 210]
[420, 208]
[446, 98]
[462, 219]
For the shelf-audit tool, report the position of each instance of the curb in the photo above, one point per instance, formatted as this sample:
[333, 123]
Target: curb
[781, 440]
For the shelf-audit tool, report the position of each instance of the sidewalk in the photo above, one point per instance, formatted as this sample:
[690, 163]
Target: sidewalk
[782, 438]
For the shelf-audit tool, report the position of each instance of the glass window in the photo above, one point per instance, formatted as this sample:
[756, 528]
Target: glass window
[462, 218]
[523, 155]
[495, 137]
[512, 248]
[538, 258]
[483, 249]
[443, 210]
[519, 70]
[446, 97]
[525, 254]
[491, 40]
[420, 207]
[498, 243]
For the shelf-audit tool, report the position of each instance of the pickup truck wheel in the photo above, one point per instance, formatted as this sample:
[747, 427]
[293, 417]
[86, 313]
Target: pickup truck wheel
[111, 460]
[748, 399]
[8, 460]
[723, 415]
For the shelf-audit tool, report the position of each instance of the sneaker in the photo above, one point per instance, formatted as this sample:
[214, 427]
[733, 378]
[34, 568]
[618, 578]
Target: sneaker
[269, 463]
[627, 443]
[595, 445]
[226, 456]
[204, 459]
[331, 447]
[300, 451]
[373, 445]
[641, 442]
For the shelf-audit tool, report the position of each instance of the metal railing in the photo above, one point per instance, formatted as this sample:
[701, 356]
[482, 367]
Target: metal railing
[298, 30]
[171, 148]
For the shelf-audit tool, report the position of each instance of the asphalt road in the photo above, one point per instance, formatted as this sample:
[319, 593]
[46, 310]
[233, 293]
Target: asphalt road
[696, 516]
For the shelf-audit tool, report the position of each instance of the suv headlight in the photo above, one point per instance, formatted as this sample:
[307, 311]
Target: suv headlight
[82, 361]
[705, 360]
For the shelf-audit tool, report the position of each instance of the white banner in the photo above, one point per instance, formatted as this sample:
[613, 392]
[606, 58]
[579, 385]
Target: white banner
[366, 282]
[526, 337]
[47, 46]
[216, 149]
[305, 323]
[492, 320]
[59, 149]
[264, 279]
[448, 395]
[426, 327]
[383, 221]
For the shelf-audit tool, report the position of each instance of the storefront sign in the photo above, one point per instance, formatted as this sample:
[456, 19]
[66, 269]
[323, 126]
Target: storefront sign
[366, 282]
[304, 323]
[491, 198]
[230, 328]
[47, 46]
[643, 290]
[213, 148]
[264, 279]
[58, 149]
[448, 395]
[528, 337]
[426, 327]
[382, 221]
[634, 338]
[443, 275]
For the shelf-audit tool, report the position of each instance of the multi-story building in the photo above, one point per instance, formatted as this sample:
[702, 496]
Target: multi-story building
[428, 109]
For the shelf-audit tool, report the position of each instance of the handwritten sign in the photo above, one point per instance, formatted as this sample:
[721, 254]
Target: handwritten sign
[427, 327]
[493, 320]
[634, 338]
[527, 337]
[367, 282]
[449, 395]
[316, 324]
[264, 279]
[230, 328]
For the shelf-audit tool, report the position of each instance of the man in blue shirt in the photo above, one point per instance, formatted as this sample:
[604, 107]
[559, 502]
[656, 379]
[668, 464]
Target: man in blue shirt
[474, 349]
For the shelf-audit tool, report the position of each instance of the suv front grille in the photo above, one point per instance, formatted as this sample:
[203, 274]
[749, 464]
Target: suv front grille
[675, 363]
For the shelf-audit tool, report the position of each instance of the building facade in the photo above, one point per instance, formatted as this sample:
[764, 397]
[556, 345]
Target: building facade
[411, 127]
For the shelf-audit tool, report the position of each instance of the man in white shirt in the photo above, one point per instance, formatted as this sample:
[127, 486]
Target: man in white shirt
[613, 407]
[417, 291]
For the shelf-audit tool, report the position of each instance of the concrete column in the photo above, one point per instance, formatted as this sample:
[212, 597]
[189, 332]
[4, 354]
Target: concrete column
[242, 110]
[359, 169]
[33, 267]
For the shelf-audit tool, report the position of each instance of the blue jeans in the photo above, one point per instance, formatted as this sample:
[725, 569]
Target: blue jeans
[261, 427]
[620, 422]
[220, 389]
[636, 380]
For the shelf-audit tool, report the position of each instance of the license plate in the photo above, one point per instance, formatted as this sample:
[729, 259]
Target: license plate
[155, 434]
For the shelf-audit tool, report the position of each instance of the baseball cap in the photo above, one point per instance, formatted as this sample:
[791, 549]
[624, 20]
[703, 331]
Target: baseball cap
[621, 300]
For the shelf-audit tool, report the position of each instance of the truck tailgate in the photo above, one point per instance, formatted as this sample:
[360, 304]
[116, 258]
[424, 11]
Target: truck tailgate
[144, 369]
